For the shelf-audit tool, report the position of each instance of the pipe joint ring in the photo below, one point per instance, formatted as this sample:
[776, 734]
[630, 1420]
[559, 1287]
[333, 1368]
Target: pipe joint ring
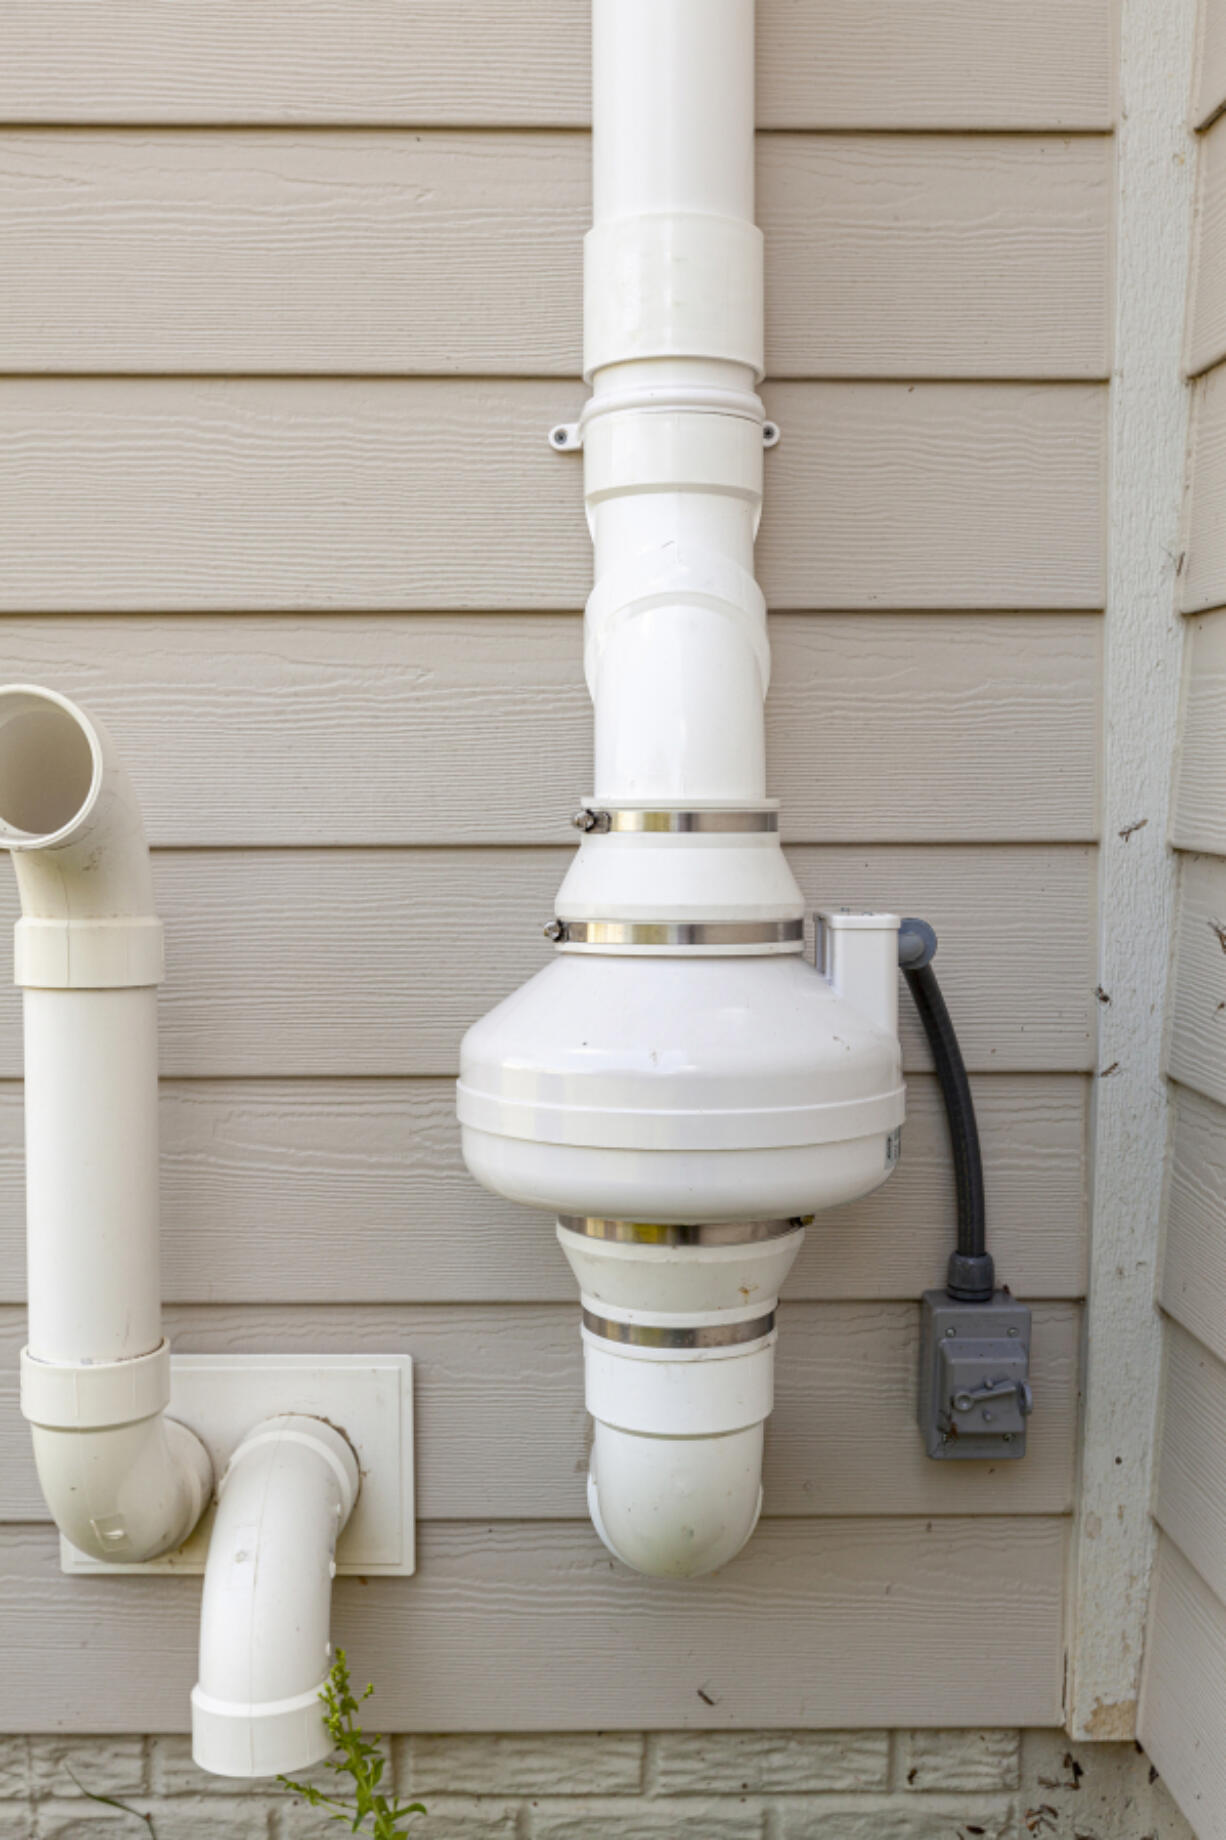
[121, 954]
[697, 1233]
[665, 1335]
[323, 1440]
[671, 935]
[684, 284]
[69, 1396]
[597, 820]
[671, 398]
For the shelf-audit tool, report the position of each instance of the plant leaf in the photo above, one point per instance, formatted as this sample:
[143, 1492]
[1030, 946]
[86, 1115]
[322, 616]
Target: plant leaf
[361, 1758]
[109, 1801]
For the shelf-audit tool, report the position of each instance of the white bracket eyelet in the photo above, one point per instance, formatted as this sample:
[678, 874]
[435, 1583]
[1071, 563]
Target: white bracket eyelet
[566, 437]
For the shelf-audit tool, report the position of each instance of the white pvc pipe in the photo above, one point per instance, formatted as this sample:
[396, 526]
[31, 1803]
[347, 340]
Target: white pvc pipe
[672, 107]
[121, 1481]
[91, 1068]
[70, 817]
[123, 1492]
[675, 1476]
[676, 650]
[679, 1064]
[265, 1648]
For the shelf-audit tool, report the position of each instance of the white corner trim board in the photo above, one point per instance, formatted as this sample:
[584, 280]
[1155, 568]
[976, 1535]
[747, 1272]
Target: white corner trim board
[1114, 1537]
[680, 1086]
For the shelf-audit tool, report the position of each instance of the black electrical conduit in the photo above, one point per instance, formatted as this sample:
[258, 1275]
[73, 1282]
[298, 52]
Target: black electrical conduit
[971, 1277]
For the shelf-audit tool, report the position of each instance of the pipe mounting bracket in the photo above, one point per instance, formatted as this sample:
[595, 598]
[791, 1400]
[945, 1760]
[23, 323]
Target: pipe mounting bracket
[223, 1397]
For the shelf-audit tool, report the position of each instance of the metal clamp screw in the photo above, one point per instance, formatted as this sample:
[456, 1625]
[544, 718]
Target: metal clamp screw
[556, 930]
[589, 820]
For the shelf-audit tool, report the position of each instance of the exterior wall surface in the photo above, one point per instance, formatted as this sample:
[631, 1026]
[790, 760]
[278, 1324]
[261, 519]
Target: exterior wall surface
[290, 297]
[780, 1785]
[1183, 1714]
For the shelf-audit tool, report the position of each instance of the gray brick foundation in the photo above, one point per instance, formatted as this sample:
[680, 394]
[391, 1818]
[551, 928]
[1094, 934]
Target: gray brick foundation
[906, 1785]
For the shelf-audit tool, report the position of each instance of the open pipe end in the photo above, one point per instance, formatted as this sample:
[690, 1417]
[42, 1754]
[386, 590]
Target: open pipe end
[51, 766]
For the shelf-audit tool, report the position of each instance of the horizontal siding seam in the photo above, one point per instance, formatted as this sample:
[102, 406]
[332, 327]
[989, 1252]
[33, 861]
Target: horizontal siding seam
[1166, 1535]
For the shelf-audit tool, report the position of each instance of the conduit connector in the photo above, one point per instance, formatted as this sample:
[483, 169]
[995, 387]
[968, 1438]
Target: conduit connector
[122, 1481]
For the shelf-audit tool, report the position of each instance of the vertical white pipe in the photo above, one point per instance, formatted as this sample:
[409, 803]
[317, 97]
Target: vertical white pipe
[677, 656]
[92, 1174]
[121, 1480]
[672, 107]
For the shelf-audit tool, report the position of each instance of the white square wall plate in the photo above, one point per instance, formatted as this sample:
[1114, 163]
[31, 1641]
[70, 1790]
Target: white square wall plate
[221, 1397]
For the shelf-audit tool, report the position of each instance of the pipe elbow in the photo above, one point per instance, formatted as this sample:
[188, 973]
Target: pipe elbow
[124, 1493]
[679, 1401]
[675, 1507]
[70, 817]
[123, 1482]
[265, 1646]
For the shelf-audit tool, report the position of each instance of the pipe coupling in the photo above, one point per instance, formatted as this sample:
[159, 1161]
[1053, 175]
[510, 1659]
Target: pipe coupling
[67, 1396]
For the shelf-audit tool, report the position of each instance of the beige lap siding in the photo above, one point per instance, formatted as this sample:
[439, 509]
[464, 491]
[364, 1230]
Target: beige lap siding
[361, 251]
[882, 64]
[506, 1622]
[290, 302]
[251, 1165]
[499, 1407]
[881, 728]
[157, 495]
[360, 962]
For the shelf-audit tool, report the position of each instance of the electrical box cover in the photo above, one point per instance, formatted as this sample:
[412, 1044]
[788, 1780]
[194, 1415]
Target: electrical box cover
[974, 1381]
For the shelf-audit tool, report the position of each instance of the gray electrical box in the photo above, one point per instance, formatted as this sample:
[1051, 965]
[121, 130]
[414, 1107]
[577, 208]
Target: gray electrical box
[974, 1381]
